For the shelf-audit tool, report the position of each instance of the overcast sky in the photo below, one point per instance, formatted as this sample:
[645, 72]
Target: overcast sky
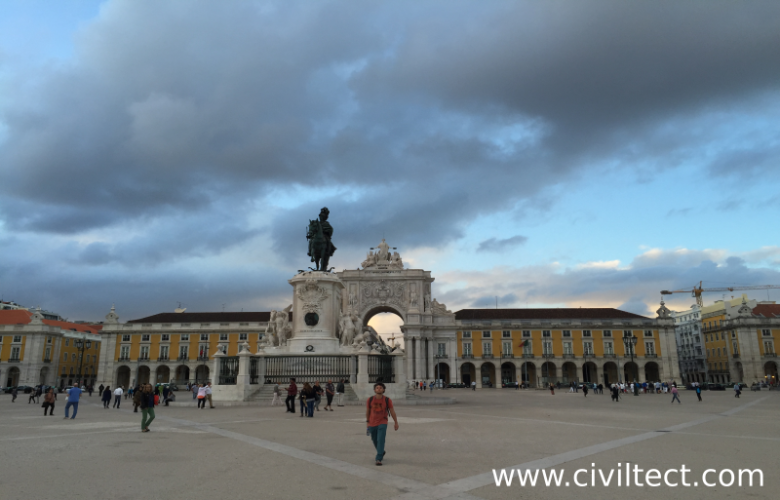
[550, 154]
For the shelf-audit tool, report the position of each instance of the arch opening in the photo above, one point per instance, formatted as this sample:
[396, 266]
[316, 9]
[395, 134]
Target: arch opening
[387, 322]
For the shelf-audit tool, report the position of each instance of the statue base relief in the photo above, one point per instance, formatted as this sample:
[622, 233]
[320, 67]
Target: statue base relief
[317, 302]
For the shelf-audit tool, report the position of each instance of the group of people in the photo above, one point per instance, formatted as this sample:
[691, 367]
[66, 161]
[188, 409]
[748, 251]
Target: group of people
[423, 385]
[201, 392]
[310, 396]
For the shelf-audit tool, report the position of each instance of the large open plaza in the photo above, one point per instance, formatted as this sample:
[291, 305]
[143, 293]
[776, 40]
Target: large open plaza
[439, 451]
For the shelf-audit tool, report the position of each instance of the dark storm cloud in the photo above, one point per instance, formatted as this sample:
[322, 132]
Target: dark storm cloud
[171, 106]
[499, 245]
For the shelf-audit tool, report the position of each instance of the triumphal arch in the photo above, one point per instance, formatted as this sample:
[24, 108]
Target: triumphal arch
[383, 284]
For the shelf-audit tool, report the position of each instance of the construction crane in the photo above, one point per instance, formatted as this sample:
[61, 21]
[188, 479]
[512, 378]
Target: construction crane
[696, 292]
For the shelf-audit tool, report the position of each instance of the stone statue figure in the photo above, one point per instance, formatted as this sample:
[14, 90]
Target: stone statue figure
[319, 234]
[370, 260]
[347, 330]
[438, 307]
[353, 301]
[270, 331]
[358, 324]
[427, 302]
[282, 325]
[397, 260]
[382, 254]
[413, 298]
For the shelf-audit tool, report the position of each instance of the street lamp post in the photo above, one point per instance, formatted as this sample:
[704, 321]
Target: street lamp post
[630, 342]
[81, 345]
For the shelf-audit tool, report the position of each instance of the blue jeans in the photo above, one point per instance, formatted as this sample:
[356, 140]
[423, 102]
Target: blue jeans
[310, 407]
[378, 434]
[75, 409]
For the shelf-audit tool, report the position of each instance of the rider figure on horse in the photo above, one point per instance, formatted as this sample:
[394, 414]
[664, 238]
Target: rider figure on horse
[320, 247]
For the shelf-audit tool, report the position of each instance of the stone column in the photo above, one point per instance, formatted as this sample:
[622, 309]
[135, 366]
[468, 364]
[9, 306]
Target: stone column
[353, 367]
[478, 374]
[242, 379]
[398, 368]
[215, 366]
[362, 375]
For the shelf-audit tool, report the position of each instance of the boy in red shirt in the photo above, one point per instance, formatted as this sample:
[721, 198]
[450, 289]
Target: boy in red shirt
[377, 408]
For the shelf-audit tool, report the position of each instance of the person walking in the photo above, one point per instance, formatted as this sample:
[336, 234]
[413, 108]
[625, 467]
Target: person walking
[128, 392]
[585, 389]
[201, 396]
[310, 393]
[31, 399]
[48, 402]
[302, 399]
[340, 393]
[674, 395]
[317, 395]
[292, 391]
[698, 392]
[277, 400]
[74, 395]
[100, 390]
[737, 390]
[473, 385]
[194, 390]
[377, 408]
[106, 397]
[208, 396]
[166, 391]
[330, 391]
[137, 393]
[147, 407]
[552, 389]
[14, 393]
[118, 396]
[90, 389]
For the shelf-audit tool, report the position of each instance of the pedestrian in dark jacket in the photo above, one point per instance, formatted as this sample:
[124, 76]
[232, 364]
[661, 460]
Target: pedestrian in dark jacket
[48, 402]
[137, 394]
[106, 396]
[147, 407]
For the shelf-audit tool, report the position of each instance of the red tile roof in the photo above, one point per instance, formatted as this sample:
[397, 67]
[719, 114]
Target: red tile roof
[20, 316]
[547, 313]
[767, 310]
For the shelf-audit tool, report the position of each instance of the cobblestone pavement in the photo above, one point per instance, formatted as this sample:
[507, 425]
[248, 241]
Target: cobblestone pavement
[439, 452]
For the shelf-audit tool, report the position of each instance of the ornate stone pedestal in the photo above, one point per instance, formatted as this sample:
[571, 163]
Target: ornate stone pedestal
[317, 299]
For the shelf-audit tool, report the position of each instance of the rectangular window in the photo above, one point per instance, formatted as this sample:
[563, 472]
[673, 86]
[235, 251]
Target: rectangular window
[545, 333]
[649, 347]
[145, 337]
[204, 337]
[203, 351]
[506, 347]
[765, 333]
[486, 335]
[608, 348]
[567, 333]
[144, 352]
[506, 334]
[718, 349]
[567, 348]
[487, 348]
[442, 349]
[769, 347]
[164, 352]
[717, 337]
[17, 339]
[587, 347]
[586, 333]
[124, 352]
[125, 338]
[48, 340]
[547, 348]
[166, 337]
[185, 337]
[628, 333]
[607, 333]
[15, 352]
[734, 348]
[223, 337]
[65, 357]
[466, 335]
[47, 355]
[467, 349]
[526, 333]
[243, 336]
[648, 333]
[67, 342]
[184, 352]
